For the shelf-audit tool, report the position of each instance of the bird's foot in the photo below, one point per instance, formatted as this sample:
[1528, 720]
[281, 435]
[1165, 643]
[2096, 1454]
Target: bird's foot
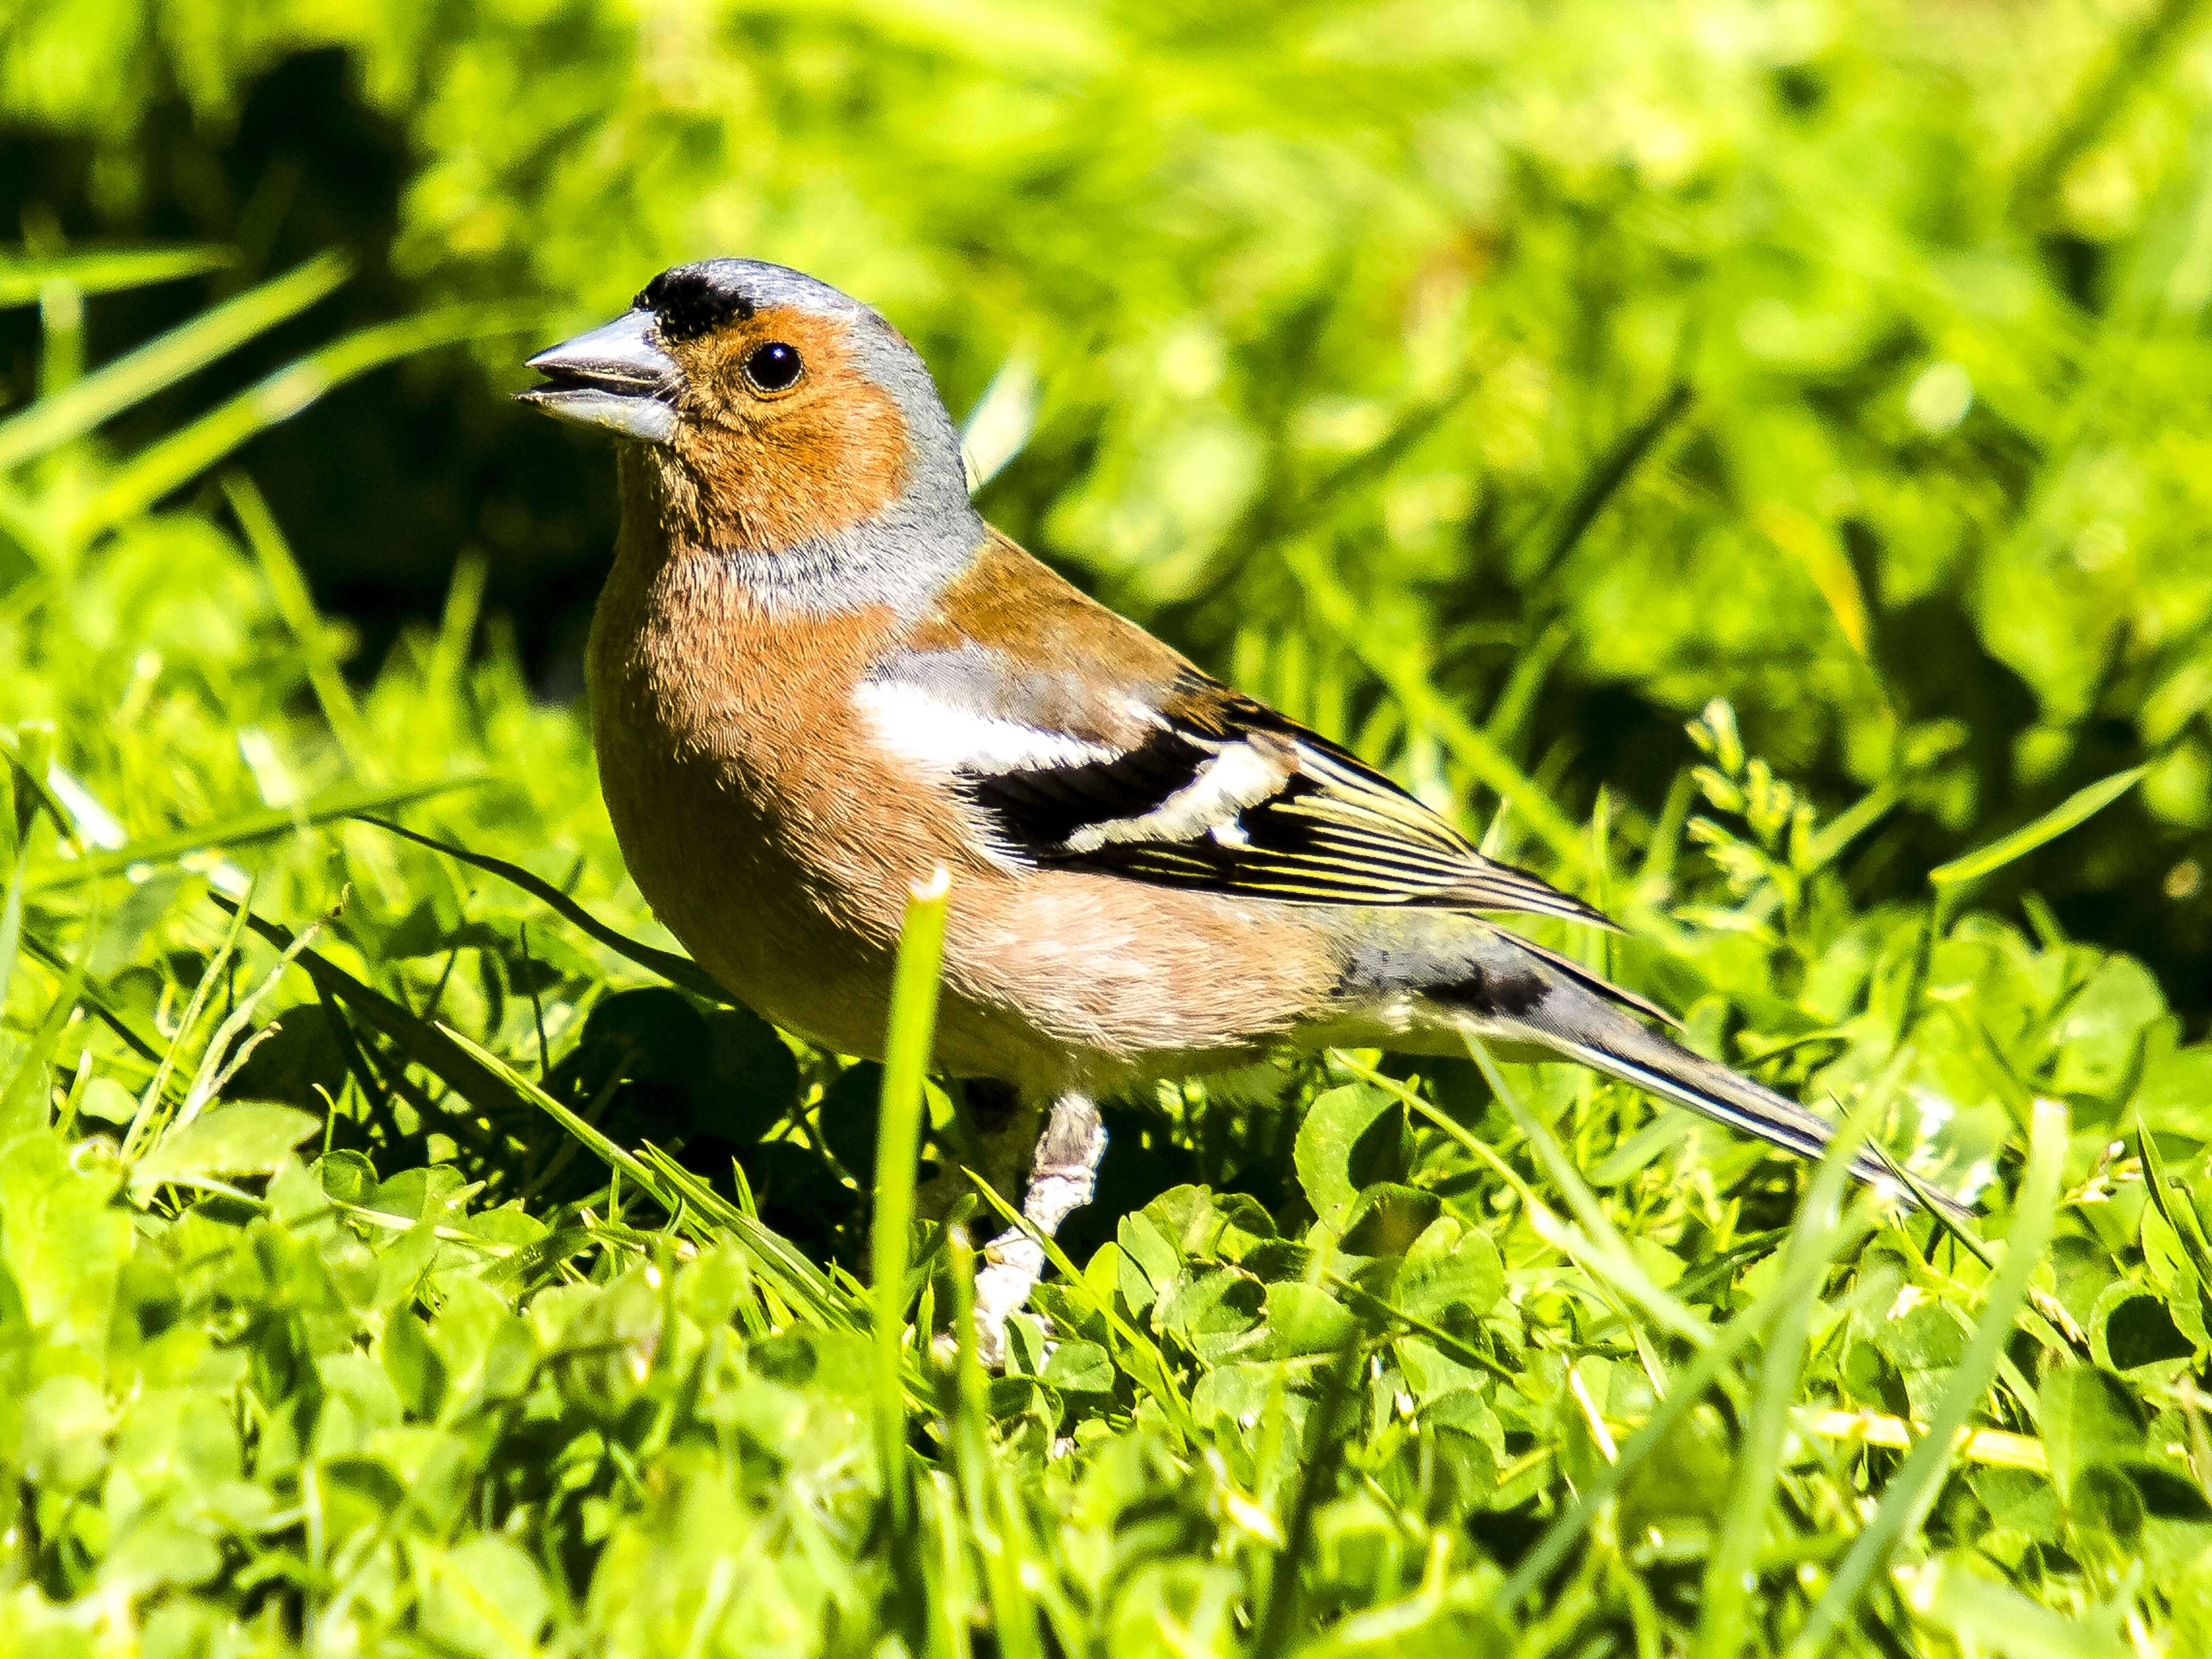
[1062, 1178]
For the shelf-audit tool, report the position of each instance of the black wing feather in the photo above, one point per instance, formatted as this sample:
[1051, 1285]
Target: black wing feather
[1036, 810]
[1335, 832]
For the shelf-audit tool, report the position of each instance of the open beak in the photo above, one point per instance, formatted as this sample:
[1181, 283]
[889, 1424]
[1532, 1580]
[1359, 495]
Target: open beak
[615, 376]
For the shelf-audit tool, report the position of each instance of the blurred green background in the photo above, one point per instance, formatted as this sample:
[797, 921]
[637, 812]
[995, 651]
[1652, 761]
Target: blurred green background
[1496, 386]
[1584, 361]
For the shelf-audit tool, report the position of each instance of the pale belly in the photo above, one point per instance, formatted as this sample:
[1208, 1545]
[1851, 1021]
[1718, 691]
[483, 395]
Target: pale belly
[780, 856]
[1052, 981]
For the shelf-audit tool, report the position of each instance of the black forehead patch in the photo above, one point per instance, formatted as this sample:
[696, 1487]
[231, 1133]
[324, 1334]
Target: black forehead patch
[688, 302]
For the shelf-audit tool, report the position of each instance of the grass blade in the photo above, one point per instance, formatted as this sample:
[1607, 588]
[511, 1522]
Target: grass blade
[11, 938]
[994, 1525]
[2129, 64]
[288, 588]
[96, 997]
[1730, 1570]
[353, 800]
[679, 971]
[797, 1281]
[104, 271]
[998, 429]
[11, 929]
[1690, 1386]
[151, 1098]
[20, 1108]
[2077, 809]
[1612, 1257]
[1916, 1485]
[184, 454]
[1984, 1617]
[1150, 1365]
[804, 1286]
[135, 376]
[1606, 1257]
[1612, 471]
[1326, 1434]
[898, 1140]
[455, 1061]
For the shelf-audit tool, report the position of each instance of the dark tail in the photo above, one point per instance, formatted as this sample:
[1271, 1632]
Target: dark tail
[1573, 1021]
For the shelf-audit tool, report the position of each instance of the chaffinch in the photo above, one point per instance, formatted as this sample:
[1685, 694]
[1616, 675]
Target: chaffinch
[817, 676]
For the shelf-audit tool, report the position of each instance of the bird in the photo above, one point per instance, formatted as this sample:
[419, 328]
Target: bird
[817, 678]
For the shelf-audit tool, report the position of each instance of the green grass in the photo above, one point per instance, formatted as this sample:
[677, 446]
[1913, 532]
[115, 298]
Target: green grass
[405, 1250]
[405, 1254]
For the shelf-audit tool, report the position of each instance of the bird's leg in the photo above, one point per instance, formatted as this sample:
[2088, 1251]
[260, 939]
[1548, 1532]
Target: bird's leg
[1062, 1177]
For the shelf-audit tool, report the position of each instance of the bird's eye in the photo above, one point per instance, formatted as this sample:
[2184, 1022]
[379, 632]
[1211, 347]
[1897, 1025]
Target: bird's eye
[774, 367]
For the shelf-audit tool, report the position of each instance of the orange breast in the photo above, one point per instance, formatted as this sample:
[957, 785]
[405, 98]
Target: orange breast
[778, 843]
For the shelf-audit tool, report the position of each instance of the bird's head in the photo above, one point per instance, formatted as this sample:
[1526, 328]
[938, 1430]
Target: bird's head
[773, 412]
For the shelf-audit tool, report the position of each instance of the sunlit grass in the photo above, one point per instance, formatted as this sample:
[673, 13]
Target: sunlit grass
[407, 1251]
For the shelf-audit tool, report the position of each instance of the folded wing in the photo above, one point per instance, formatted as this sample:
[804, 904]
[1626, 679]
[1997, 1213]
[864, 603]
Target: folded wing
[1191, 785]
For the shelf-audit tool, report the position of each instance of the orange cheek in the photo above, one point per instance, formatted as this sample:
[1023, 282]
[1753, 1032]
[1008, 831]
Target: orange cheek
[771, 472]
[797, 479]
